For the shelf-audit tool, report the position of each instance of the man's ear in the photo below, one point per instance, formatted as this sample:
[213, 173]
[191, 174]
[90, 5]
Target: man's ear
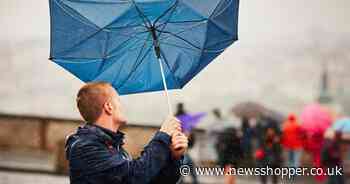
[108, 108]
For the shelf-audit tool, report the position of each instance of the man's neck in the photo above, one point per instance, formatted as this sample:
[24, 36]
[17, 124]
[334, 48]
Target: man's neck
[108, 124]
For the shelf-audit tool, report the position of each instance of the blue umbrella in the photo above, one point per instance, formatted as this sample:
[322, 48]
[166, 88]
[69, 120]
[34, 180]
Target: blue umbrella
[140, 45]
[342, 125]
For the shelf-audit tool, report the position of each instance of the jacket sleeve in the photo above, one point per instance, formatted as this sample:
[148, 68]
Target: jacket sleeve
[170, 174]
[98, 165]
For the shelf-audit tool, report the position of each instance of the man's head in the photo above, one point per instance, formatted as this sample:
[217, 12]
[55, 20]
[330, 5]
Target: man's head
[99, 101]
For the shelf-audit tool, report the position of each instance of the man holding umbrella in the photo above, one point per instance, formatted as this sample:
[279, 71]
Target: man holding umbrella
[136, 46]
[95, 151]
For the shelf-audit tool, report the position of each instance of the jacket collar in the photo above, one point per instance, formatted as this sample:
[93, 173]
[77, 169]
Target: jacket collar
[105, 135]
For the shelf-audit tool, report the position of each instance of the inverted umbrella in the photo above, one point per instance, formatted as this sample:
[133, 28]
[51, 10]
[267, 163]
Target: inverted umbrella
[140, 45]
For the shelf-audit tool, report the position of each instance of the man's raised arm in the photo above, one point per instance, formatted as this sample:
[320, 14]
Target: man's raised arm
[102, 165]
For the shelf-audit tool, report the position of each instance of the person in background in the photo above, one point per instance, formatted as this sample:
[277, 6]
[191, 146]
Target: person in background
[292, 140]
[95, 151]
[214, 131]
[262, 125]
[180, 110]
[229, 152]
[247, 138]
[187, 158]
[313, 143]
[332, 158]
[269, 154]
[259, 132]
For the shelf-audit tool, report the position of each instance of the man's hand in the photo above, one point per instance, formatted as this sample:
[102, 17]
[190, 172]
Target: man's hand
[170, 126]
[179, 144]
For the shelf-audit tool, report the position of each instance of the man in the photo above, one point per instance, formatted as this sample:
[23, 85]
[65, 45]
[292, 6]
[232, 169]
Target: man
[95, 151]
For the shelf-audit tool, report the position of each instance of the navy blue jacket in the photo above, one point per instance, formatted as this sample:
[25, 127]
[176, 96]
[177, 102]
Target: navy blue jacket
[96, 156]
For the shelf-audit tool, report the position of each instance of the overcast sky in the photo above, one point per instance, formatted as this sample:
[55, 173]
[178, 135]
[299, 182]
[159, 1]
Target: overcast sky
[277, 61]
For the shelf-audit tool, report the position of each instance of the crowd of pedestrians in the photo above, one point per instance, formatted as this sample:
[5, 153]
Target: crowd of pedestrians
[265, 142]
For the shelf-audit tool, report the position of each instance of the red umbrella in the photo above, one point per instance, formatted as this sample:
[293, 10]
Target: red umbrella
[315, 119]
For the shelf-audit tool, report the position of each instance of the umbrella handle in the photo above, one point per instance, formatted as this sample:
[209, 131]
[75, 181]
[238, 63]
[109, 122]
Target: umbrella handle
[166, 90]
[170, 110]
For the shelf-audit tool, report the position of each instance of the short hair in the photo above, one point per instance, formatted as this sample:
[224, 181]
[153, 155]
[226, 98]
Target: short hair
[91, 98]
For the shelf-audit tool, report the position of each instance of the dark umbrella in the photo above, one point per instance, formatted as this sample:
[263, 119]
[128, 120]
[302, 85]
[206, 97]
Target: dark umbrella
[248, 110]
[274, 115]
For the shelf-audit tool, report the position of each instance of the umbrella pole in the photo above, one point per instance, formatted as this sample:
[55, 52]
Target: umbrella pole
[165, 86]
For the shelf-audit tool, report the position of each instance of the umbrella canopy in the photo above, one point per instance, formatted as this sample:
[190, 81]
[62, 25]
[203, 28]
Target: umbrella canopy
[189, 121]
[123, 41]
[315, 118]
[248, 110]
[274, 115]
[343, 126]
